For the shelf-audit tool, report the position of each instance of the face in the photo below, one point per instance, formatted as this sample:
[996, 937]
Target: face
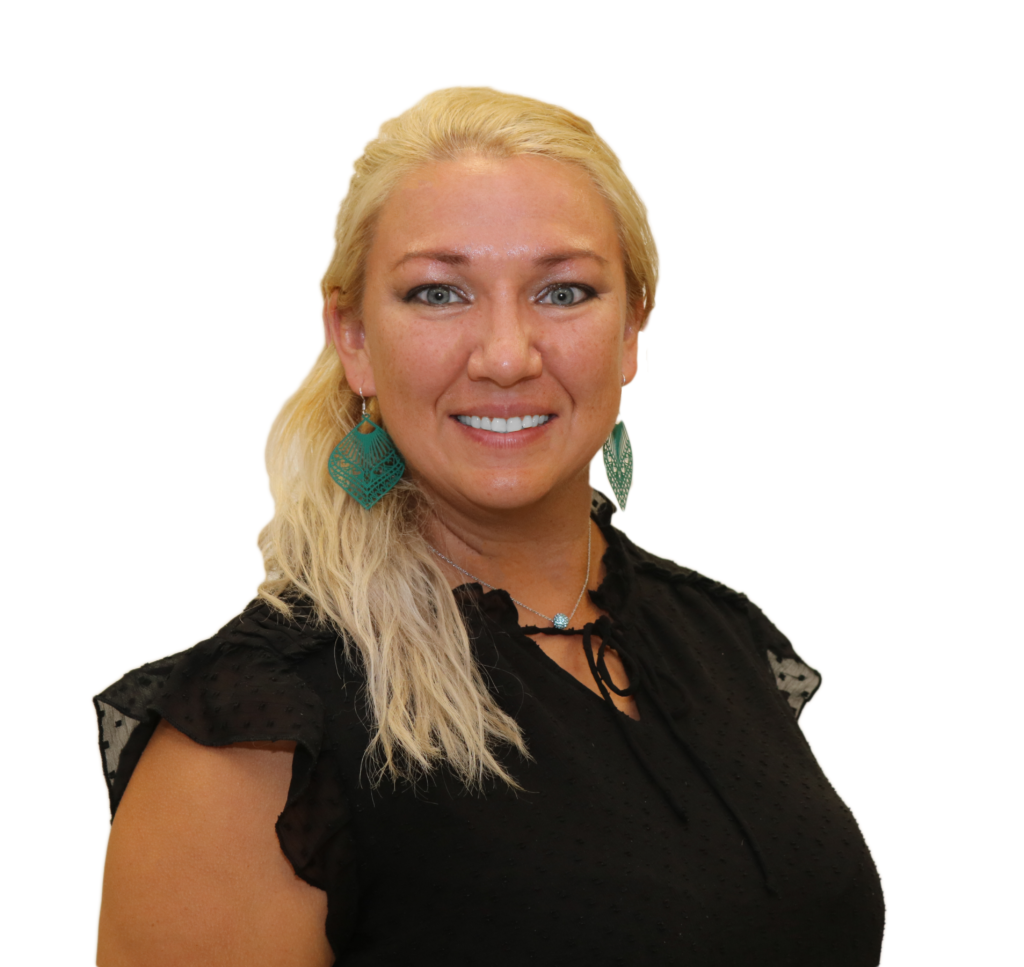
[495, 299]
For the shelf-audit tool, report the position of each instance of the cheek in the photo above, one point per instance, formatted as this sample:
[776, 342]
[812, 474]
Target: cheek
[412, 366]
[594, 360]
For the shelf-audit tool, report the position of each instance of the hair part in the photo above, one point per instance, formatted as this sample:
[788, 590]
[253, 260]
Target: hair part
[369, 573]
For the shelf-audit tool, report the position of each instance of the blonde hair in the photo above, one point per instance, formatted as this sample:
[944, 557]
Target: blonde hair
[369, 573]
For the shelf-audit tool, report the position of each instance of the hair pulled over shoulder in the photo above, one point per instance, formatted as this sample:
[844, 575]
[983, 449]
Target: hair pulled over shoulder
[369, 574]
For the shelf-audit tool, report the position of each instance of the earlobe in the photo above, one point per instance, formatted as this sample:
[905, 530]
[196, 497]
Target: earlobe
[629, 366]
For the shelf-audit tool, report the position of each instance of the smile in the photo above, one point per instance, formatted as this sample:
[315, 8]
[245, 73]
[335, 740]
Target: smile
[498, 425]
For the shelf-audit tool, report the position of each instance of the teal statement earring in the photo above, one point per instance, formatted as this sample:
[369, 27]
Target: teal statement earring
[366, 465]
[618, 460]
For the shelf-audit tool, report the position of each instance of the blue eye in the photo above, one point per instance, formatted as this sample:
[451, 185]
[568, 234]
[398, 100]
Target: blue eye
[566, 295]
[435, 295]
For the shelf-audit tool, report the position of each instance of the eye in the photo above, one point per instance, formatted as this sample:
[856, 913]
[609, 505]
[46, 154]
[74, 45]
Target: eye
[435, 295]
[566, 295]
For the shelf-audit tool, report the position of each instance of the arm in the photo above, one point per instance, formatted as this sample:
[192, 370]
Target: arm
[194, 871]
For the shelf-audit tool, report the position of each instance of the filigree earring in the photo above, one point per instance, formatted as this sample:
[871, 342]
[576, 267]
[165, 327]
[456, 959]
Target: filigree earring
[618, 461]
[366, 464]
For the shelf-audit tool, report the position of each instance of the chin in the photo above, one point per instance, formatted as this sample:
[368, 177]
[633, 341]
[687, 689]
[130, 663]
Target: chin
[510, 491]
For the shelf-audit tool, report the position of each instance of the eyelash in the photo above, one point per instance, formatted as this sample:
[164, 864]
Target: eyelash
[411, 296]
[588, 293]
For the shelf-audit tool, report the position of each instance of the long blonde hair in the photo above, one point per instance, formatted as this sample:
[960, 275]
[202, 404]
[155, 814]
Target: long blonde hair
[369, 574]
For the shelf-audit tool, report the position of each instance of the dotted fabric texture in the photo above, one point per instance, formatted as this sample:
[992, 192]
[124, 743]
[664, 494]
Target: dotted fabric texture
[703, 834]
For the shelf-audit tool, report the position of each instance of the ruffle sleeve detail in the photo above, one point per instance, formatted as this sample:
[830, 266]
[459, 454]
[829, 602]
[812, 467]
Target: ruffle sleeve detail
[238, 686]
[794, 678]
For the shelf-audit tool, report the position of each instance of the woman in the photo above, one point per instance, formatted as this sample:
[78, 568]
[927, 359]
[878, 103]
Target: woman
[493, 728]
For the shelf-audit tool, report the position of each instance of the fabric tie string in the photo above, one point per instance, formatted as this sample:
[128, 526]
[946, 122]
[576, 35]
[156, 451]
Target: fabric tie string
[646, 680]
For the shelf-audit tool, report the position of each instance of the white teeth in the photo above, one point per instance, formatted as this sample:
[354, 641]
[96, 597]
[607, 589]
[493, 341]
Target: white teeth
[498, 425]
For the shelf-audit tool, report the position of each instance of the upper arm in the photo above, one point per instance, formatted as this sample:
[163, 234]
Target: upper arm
[194, 871]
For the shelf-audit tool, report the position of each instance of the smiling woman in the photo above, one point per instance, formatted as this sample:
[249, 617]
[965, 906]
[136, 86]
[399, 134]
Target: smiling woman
[452, 780]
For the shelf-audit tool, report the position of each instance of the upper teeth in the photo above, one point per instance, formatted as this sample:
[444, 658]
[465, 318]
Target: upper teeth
[499, 425]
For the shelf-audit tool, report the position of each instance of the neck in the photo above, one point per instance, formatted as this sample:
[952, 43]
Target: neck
[537, 553]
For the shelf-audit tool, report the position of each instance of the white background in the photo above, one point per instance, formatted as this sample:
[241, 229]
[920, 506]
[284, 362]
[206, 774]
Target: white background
[827, 415]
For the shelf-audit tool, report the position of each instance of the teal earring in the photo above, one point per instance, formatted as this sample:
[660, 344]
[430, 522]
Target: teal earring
[366, 465]
[618, 460]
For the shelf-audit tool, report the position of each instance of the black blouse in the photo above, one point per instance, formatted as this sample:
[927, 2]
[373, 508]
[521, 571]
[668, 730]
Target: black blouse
[703, 834]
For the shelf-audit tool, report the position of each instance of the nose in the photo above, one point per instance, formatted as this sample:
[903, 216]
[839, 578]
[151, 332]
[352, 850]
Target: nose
[505, 352]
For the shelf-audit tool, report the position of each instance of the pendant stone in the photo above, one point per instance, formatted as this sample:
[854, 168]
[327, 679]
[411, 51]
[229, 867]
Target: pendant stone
[561, 621]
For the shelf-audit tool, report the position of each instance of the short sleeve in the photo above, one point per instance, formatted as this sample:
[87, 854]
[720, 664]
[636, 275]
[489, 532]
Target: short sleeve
[794, 678]
[236, 687]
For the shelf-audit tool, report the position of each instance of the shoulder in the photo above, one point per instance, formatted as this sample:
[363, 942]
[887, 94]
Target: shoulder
[239, 685]
[262, 627]
[259, 634]
[661, 569]
[253, 645]
[629, 565]
[653, 577]
[657, 581]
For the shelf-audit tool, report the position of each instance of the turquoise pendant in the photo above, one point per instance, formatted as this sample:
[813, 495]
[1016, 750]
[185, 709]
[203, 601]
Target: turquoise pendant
[560, 621]
[618, 462]
[366, 465]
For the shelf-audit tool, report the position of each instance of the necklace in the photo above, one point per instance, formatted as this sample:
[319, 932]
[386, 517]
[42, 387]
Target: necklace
[560, 620]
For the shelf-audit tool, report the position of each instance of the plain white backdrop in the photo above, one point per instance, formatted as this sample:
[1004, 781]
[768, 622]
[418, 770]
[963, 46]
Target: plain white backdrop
[827, 415]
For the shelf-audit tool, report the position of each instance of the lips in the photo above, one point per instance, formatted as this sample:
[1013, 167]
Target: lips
[512, 424]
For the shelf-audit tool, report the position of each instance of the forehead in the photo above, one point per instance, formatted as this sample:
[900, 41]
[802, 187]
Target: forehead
[481, 207]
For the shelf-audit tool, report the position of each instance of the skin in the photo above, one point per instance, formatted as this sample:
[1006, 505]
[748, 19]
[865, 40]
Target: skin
[534, 318]
[502, 237]
[194, 871]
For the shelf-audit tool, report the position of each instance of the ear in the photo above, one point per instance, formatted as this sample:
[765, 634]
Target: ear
[344, 328]
[629, 343]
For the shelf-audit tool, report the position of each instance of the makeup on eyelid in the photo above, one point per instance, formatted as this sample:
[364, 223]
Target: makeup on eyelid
[446, 290]
[494, 330]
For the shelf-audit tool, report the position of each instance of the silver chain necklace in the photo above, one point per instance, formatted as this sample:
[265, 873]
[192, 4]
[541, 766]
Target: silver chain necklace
[560, 620]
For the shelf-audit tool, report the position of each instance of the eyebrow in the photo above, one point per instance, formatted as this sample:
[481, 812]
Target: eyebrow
[544, 261]
[449, 258]
[557, 258]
